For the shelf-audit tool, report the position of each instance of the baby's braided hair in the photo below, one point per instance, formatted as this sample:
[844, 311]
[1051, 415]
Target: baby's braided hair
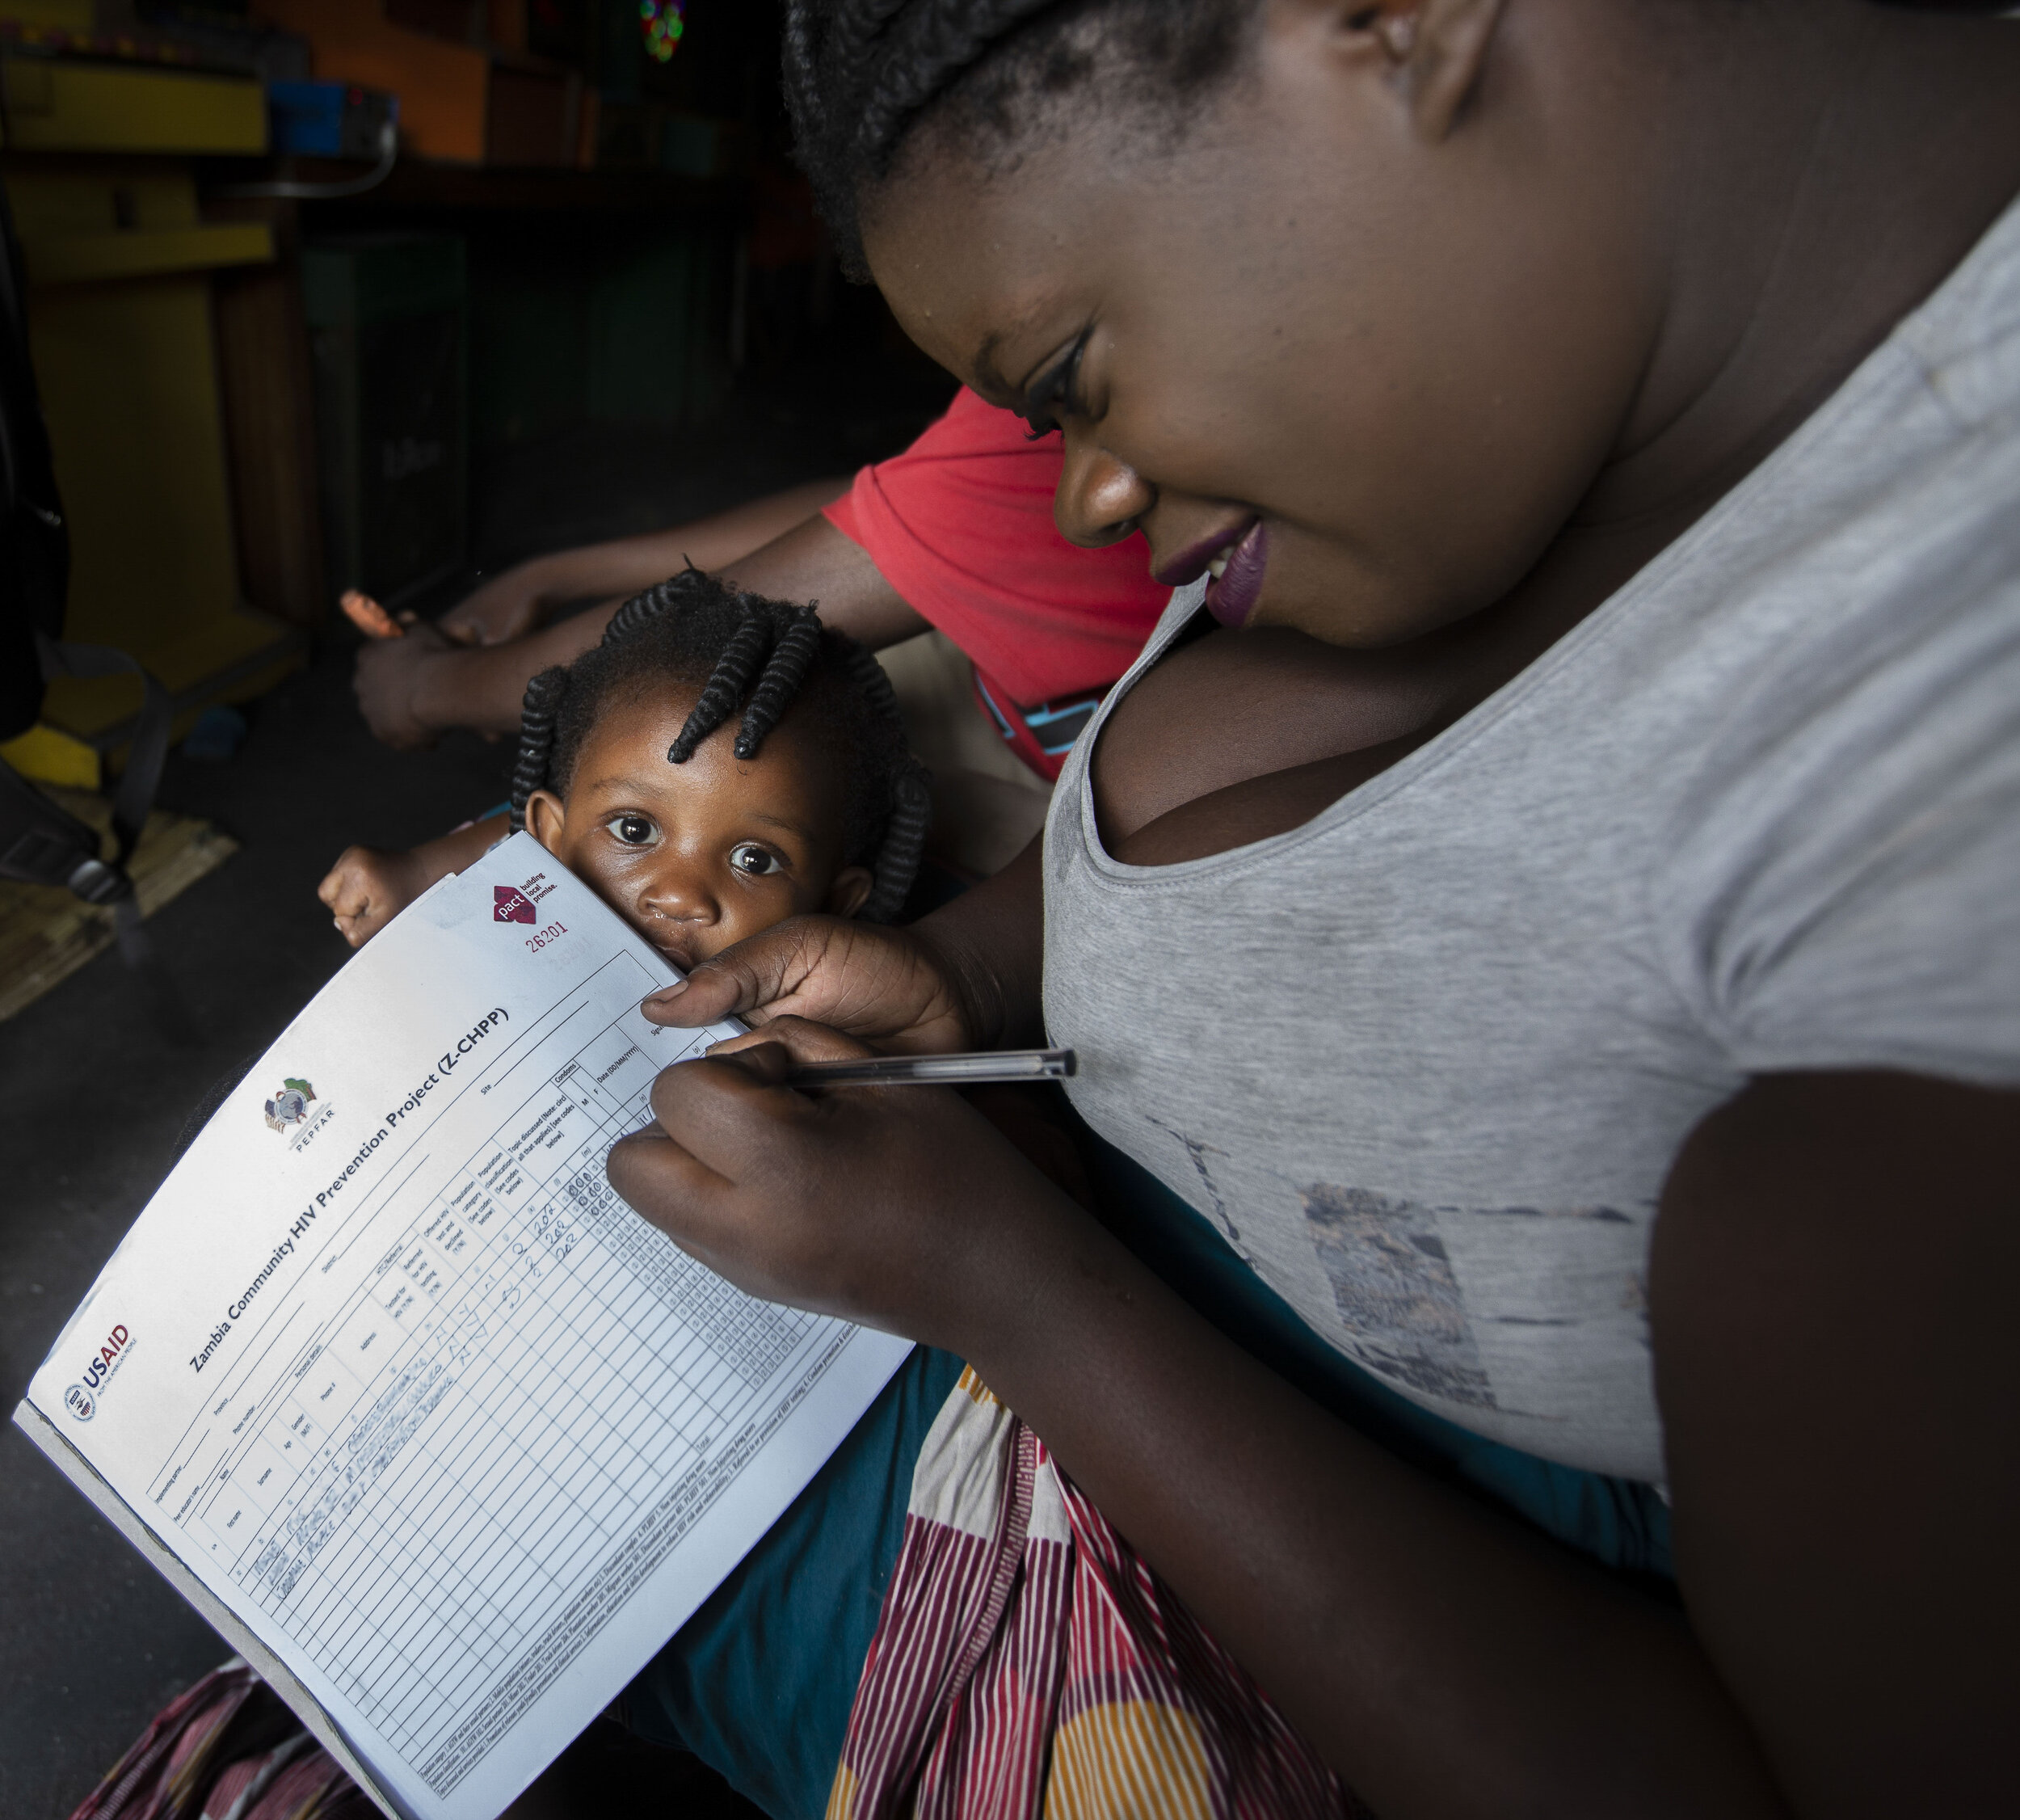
[764, 655]
[861, 75]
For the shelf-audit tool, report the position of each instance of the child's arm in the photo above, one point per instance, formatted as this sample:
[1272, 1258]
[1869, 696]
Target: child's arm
[368, 887]
[412, 689]
[519, 601]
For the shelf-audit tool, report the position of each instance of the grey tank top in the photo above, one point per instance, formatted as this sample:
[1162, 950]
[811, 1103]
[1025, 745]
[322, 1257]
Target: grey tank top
[1425, 1061]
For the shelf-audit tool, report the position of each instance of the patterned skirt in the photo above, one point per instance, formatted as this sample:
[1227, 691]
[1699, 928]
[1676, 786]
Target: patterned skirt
[226, 1750]
[1027, 1662]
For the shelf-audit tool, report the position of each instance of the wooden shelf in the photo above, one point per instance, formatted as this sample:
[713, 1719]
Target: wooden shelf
[419, 185]
[75, 258]
[54, 105]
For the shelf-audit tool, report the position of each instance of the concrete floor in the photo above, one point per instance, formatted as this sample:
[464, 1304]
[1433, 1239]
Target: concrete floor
[92, 1643]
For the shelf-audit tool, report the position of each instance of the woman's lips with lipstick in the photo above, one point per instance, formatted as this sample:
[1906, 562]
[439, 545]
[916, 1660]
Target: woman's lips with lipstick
[1238, 577]
[1236, 560]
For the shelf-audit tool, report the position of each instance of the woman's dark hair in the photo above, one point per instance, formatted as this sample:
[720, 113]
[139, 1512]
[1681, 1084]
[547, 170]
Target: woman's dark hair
[743, 649]
[861, 74]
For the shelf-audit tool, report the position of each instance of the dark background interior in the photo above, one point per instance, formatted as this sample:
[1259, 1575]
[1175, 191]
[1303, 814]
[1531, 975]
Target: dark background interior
[621, 376]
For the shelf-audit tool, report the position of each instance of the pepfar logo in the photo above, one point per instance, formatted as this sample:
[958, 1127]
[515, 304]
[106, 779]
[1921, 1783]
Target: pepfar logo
[290, 1106]
[510, 904]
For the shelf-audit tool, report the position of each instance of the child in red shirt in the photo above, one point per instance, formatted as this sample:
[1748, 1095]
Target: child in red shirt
[961, 526]
[955, 534]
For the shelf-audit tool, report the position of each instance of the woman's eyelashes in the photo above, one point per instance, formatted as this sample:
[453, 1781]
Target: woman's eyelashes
[1056, 393]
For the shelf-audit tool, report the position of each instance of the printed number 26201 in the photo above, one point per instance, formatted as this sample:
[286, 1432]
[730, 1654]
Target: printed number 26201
[536, 942]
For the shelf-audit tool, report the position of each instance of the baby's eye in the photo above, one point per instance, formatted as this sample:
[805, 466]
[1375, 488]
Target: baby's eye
[753, 861]
[634, 831]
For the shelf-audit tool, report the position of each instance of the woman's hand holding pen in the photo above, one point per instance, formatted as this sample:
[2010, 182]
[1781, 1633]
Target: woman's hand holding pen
[902, 1208]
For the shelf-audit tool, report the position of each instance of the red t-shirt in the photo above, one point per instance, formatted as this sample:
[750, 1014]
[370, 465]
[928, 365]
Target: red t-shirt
[961, 526]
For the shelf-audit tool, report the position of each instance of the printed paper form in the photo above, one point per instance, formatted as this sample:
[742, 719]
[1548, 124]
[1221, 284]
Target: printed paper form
[464, 1440]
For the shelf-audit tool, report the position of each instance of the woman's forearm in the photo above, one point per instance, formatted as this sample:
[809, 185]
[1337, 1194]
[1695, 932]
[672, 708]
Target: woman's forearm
[1452, 1664]
[1447, 1662]
[990, 941]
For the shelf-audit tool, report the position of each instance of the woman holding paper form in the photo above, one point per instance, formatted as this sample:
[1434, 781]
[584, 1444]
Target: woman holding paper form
[1584, 1082]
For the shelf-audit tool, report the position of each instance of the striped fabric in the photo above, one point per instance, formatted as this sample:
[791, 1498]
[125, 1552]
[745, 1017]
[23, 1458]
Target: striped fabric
[1027, 1663]
[226, 1750]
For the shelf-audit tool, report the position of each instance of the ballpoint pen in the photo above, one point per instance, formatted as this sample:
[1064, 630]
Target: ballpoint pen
[937, 1071]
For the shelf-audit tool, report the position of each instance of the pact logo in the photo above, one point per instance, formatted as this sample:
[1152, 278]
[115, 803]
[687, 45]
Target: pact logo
[82, 1399]
[510, 904]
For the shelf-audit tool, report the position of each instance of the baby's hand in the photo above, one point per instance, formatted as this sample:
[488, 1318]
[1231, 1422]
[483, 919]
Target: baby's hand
[368, 887]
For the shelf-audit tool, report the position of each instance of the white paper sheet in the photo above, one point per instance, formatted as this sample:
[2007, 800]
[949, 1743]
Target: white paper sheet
[389, 1367]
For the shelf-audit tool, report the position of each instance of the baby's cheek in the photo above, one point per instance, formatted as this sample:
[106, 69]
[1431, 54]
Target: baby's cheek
[711, 942]
[760, 910]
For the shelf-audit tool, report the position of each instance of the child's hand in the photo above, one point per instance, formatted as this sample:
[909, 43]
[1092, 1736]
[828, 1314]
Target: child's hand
[387, 678]
[368, 887]
[505, 608]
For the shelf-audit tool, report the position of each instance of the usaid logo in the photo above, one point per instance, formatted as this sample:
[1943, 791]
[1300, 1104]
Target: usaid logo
[81, 1400]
